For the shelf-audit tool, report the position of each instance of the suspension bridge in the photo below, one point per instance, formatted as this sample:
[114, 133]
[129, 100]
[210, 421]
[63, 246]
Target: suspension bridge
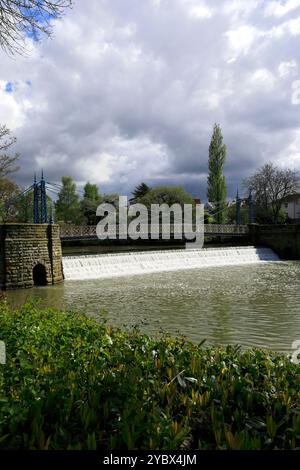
[31, 253]
[88, 232]
[68, 232]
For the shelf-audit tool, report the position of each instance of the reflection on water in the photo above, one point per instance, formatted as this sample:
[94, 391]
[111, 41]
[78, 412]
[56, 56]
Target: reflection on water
[255, 305]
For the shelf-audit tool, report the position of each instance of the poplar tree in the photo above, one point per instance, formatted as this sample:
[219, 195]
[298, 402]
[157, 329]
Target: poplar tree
[90, 202]
[216, 184]
[67, 206]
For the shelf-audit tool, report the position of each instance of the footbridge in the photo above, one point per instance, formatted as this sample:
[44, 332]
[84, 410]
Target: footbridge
[88, 232]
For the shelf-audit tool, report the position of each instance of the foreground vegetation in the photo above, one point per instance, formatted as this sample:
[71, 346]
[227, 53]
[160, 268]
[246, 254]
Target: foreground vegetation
[70, 383]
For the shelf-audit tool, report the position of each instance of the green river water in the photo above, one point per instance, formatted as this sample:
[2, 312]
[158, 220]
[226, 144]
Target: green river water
[252, 305]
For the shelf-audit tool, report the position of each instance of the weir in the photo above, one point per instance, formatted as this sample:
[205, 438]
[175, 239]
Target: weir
[134, 263]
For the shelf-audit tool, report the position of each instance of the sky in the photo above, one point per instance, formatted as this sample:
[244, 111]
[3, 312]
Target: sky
[129, 91]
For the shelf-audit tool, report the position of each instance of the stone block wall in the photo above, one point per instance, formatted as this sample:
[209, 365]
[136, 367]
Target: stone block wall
[22, 247]
[283, 239]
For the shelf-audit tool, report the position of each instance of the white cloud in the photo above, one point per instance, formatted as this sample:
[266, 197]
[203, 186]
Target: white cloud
[239, 8]
[12, 110]
[295, 99]
[122, 95]
[241, 40]
[287, 68]
[290, 27]
[290, 157]
[280, 9]
[263, 79]
[200, 11]
[121, 160]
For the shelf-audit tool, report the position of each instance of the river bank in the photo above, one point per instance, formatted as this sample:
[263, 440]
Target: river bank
[72, 383]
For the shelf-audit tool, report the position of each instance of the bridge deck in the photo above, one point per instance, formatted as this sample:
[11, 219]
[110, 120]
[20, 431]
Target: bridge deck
[88, 232]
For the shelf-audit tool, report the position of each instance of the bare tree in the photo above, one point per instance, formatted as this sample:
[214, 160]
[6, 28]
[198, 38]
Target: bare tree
[9, 192]
[31, 18]
[269, 185]
[7, 161]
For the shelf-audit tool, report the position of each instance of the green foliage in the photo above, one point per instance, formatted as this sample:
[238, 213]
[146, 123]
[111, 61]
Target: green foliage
[265, 215]
[140, 191]
[15, 206]
[111, 198]
[68, 206]
[9, 193]
[282, 216]
[231, 215]
[91, 192]
[24, 208]
[216, 189]
[71, 383]
[167, 195]
[90, 202]
[208, 218]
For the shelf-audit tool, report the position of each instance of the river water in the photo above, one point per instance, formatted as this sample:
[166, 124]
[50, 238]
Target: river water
[252, 305]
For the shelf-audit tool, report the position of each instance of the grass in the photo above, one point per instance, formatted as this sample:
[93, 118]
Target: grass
[72, 383]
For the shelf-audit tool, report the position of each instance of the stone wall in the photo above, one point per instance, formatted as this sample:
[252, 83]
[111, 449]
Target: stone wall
[22, 247]
[283, 239]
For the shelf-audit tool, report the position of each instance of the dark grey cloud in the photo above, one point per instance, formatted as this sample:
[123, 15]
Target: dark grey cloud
[130, 91]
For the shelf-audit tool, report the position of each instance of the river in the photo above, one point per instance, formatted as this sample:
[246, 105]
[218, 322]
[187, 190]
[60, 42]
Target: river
[252, 305]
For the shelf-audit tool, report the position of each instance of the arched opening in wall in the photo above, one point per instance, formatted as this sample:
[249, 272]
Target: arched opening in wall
[39, 275]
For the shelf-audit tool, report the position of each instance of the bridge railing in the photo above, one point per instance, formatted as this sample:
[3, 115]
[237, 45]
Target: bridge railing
[89, 231]
[224, 229]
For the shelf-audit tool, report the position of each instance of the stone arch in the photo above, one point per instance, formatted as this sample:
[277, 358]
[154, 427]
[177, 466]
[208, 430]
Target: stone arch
[39, 275]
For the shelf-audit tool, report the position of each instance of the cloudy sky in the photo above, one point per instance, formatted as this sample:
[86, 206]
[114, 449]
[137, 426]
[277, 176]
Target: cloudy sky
[129, 90]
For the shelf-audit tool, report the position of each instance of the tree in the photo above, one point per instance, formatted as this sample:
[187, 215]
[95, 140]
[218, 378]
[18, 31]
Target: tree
[23, 205]
[231, 215]
[67, 206]
[140, 191]
[8, 189]
[7, 161]
[111, 198]
[90, 202]
[91, 192]
[9, 193]
[167, 195]
[269, 185]
[31, 18]
[216, 190]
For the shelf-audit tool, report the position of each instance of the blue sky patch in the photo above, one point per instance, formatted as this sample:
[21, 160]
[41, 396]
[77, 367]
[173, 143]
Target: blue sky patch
[40, 16]
[9, 87]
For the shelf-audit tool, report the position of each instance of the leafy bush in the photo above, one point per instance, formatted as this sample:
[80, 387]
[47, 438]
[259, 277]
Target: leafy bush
[167, 195]
[71, 383]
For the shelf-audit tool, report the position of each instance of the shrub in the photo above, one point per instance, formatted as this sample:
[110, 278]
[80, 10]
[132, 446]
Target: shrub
[72, 383]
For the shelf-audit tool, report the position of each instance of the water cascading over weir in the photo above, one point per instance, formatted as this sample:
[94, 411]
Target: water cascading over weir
[134, 263]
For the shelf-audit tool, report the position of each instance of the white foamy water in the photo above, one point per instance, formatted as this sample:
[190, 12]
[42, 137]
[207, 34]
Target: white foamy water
[133, 263]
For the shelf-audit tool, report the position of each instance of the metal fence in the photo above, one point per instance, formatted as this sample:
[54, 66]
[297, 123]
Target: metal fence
[89, 231]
